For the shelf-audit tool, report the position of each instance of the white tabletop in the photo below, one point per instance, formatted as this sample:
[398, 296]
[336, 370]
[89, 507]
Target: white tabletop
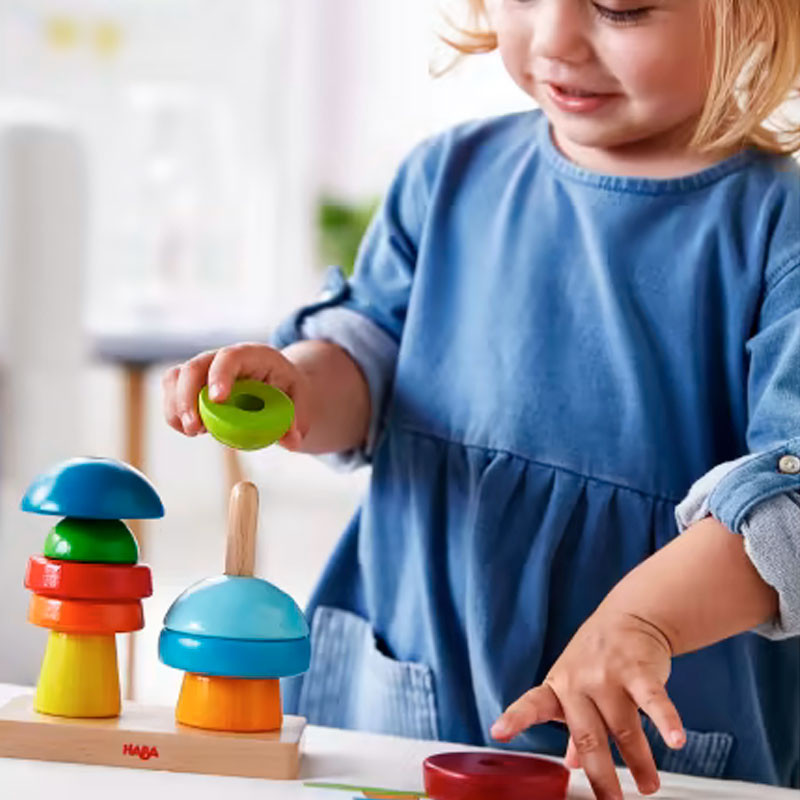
[329, 756]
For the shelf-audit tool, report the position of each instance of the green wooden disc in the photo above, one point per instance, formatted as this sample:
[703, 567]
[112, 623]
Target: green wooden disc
[94, 541]
[254, 416]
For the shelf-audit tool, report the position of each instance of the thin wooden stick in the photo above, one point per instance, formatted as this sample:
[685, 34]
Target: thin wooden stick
[240, 552]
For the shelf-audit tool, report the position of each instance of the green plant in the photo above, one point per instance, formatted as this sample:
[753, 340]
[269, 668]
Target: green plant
[340, 226]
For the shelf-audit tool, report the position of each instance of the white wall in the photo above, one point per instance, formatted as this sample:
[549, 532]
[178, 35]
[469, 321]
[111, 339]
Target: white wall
[377, 98]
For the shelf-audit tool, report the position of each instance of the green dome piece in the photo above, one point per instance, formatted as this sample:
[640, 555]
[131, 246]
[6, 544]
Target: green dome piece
[255, 415]
[93, 541]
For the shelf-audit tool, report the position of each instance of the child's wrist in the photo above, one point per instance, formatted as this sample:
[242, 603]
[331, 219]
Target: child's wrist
[336, 396]
[642, 618]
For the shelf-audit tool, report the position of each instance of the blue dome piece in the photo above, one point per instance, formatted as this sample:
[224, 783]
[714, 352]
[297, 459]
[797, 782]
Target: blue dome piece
[93, 488]
[234, 658]
[236, 607]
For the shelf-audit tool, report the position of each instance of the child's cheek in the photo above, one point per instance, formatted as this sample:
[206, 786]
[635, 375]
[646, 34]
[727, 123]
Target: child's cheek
[656, 71]
[516, 59]
[668, 81]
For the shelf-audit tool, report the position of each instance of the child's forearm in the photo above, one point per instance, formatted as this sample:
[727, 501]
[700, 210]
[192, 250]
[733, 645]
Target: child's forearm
[339, 397]
[697, 590]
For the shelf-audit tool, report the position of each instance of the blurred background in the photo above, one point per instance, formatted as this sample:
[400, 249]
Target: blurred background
[175, 175]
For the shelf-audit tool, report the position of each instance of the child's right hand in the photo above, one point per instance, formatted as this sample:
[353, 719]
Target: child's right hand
[616, 663]
[219, 369]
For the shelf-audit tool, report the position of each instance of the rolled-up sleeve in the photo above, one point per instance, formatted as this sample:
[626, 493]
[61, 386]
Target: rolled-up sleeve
[365, 315]
[770, 528]
[758, 495]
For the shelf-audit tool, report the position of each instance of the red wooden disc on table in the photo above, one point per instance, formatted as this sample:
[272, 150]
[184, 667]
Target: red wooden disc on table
[73, 580]
[499, 776]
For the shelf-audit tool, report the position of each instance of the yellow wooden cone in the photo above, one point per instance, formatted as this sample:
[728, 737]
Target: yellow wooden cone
[79, 676]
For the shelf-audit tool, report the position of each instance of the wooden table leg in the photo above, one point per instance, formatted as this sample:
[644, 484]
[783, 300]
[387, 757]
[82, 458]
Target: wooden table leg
[135, 409]
[135, 433]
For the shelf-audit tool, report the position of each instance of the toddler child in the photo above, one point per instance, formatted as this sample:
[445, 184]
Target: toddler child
[568, 328]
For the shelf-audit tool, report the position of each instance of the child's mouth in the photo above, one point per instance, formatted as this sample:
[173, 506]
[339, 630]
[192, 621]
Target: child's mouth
[572, 92]
[574, 100]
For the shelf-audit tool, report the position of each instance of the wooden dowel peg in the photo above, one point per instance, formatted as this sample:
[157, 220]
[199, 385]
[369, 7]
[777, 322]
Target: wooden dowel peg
[240, 552]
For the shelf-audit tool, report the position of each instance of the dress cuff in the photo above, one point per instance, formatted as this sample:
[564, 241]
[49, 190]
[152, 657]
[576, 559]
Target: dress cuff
[756, 496]
[369, 345]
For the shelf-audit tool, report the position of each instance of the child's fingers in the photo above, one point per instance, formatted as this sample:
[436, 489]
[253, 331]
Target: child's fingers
[292, 439]
[228, 364]
[270, 366]
[249, 360]
[538, 705]
[571, 759]
[262, 363]
[621, 717]
[191, 379]
[652, 698]
[590, 736]
[169, 384]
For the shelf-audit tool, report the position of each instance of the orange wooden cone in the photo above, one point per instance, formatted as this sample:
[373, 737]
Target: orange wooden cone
[246, 705]
[85, 616]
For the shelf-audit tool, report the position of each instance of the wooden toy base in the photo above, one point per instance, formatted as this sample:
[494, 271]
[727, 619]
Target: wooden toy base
[147, 737]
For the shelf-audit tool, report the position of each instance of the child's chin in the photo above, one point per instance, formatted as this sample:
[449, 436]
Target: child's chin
[595, 134]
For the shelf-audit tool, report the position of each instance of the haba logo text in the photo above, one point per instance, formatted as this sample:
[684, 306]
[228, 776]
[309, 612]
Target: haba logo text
[142, 751]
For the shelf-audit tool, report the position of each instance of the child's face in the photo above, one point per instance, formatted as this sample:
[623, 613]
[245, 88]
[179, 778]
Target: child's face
[613, 74]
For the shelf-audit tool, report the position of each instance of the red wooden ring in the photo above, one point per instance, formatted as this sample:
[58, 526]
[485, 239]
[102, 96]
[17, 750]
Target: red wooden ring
[500, 776]
[73, 580]
[85, 616]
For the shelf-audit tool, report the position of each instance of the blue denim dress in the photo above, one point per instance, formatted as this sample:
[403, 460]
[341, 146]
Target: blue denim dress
[571, 352]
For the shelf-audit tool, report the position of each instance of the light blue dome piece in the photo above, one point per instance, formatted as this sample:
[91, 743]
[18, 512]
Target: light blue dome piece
[93, 488]
[234, 658]
[236, 607]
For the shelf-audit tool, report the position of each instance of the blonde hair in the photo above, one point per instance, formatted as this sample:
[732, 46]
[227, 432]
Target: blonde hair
[756, 69]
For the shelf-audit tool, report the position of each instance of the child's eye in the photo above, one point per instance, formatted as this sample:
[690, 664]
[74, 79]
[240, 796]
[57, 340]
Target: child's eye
[627, 17]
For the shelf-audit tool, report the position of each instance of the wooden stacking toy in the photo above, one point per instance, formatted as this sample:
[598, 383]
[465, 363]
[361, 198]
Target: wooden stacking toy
[235, 636]
[87, 585]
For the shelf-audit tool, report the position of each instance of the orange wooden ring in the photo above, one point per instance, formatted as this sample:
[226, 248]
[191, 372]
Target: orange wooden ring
[72, 580]
[85, 616]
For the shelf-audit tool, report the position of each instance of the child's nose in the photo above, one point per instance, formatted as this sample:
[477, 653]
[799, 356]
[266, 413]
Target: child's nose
[560, 31]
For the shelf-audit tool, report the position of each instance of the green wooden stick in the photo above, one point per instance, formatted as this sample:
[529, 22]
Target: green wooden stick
[342, 787]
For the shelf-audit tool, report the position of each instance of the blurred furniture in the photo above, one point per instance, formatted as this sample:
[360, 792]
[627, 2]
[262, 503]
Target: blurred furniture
[44, 199]
[135, 355]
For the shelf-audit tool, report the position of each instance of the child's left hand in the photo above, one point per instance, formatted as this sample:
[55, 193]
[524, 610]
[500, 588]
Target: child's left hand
[616, 664]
